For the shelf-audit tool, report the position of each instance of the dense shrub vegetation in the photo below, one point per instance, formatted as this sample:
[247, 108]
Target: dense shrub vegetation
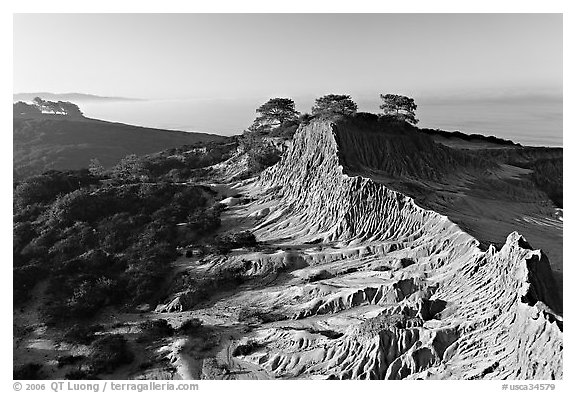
[259, 144]
[106, 237]
[183, 164]
[102, 244]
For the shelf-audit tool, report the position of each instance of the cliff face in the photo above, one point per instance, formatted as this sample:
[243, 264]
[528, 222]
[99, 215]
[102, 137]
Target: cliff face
[394, 152]
[410, 293]
[315, 190]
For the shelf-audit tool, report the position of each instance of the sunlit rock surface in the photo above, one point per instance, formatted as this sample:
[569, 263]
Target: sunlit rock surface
[402, 292]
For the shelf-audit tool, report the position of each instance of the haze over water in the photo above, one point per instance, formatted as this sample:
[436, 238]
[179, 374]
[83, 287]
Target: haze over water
[530, 121]
[497, 74]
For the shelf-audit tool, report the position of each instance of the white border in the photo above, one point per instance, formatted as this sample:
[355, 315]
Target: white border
[420, 6]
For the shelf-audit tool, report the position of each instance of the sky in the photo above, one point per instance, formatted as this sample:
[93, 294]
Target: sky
[244, 55]
[238, 61]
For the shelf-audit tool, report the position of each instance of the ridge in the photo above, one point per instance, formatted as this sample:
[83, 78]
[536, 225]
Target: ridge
[495, 304]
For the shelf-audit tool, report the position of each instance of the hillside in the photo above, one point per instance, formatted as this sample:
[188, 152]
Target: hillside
[368, 251]
[51, 141]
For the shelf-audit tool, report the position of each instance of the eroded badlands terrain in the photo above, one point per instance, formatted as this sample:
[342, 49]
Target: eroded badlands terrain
[356, 280]
[379, 257]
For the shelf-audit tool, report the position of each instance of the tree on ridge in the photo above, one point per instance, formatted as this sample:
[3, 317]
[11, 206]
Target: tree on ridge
[334, 104]
[275, 112]
[400, 107]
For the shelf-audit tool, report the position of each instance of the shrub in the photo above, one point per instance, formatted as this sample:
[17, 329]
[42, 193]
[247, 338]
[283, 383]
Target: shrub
[157, 328]
[110, 352]
[68, 359]
[190, 325]
[305, 118]
[78, 375]
[246, 349]
[22, 331]
[81, 334]
[205, 220]
[101, 245]
[243, 239]
[145, 365]
[28, 371]
[224, 243]
[90, 296]
[322, 274]
[258, 315]
[47, 186]
[25, 279]
[261, 153]
[209, 341]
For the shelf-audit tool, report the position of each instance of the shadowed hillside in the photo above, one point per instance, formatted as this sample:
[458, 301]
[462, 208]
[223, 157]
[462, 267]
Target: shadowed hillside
[398, 150]
[52, 141]
[487, 186]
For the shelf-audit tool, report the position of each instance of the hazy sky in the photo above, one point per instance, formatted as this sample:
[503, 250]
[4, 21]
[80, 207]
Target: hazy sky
[264, 55]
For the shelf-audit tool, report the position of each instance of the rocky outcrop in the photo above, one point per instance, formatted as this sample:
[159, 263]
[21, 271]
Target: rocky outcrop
[419, 298]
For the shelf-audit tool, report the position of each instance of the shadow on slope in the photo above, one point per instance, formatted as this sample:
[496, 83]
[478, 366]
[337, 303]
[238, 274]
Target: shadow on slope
[55, 142]
[488, 192]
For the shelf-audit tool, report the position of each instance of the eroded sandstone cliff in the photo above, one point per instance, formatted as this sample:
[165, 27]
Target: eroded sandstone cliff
[405, 294]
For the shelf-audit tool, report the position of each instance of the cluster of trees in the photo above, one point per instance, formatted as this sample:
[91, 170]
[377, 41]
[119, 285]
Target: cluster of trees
[40, 107]
[278, 118]
[279, 112]
[54, 107]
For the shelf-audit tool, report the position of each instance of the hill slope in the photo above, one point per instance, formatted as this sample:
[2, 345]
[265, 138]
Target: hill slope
[43, 142]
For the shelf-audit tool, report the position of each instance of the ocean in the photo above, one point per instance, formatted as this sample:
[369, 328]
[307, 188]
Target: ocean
[532, 122]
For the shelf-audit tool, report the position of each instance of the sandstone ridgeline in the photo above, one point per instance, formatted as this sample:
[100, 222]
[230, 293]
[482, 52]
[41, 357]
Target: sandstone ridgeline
[452, 311]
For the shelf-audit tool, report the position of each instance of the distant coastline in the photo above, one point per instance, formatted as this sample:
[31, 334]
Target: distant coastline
[72, 97]
[525, 119]
[528, 123]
